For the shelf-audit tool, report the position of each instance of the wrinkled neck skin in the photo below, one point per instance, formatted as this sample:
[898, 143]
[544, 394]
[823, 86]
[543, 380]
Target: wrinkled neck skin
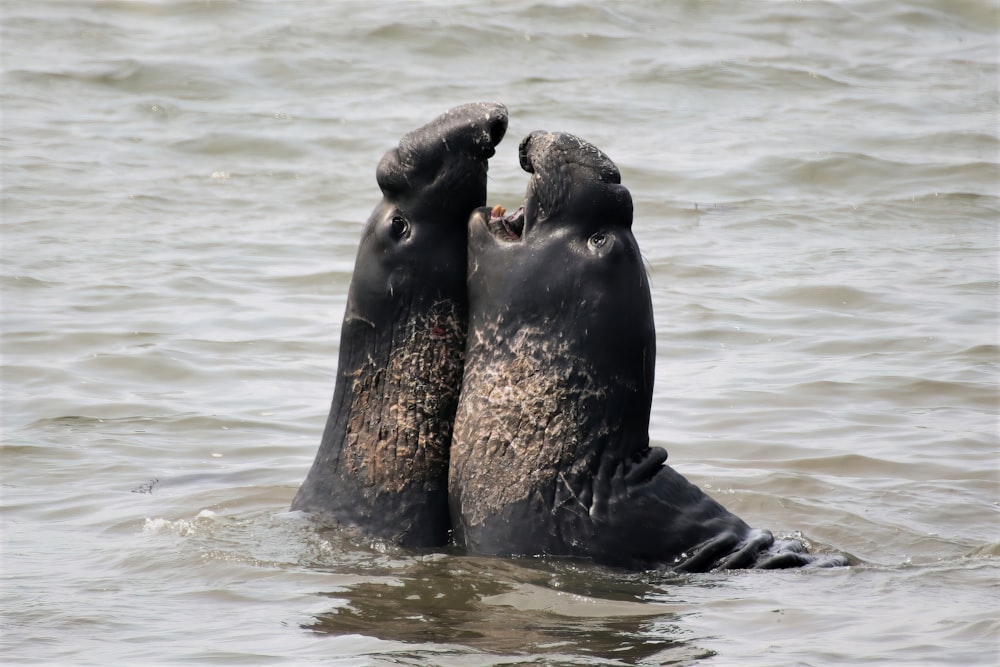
[398, 383]
[539, 436]
[394, 405]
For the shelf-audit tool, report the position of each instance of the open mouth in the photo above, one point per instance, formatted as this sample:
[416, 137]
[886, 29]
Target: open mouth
[506, 227]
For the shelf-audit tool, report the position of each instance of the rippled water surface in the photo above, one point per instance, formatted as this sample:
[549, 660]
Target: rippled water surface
[816, 189]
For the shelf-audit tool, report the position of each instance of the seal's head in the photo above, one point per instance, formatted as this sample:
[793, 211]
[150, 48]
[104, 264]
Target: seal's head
[566, 263]
[414, 244]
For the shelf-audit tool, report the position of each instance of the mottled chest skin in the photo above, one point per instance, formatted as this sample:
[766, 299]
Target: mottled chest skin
[550, 453]
[400, 419]
[516, 399]
[382, 464]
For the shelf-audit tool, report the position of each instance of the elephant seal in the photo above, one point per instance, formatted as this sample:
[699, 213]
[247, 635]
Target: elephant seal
[382, 464]
[550, 453]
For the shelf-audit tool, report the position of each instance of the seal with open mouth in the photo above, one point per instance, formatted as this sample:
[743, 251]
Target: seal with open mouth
[550, 453]
[382, 464]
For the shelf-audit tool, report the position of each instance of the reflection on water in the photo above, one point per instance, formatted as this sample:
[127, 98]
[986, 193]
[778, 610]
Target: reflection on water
[556, 611]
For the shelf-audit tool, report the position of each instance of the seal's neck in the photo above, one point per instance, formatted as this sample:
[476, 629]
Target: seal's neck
[534, 414]
[391, 420]
[383, 460]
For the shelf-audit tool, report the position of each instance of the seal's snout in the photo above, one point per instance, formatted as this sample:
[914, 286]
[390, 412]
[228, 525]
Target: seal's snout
[546, 151]
[497, 124]
[455, 145]
[522, 153]
[473, 129]
[488, 124]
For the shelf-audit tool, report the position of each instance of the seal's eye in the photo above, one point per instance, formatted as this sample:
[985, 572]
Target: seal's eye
[598, 240]
[400, 227]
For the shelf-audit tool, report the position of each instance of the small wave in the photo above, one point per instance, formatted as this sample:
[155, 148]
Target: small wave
[830, 174]
[831, 297]
[247, 145]
[182, 527]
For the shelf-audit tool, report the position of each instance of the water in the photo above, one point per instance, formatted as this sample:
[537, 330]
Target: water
[816, 190]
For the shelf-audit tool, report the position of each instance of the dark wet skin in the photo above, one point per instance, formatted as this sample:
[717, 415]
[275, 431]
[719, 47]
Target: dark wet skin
[382, 463]
[550, 453]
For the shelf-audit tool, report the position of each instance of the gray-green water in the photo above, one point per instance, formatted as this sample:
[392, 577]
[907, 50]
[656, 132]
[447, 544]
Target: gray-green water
[816, 188]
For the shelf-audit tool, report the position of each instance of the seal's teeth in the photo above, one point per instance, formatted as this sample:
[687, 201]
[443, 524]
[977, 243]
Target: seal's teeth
[498, 211]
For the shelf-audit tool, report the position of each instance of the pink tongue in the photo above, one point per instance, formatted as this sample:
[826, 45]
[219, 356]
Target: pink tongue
[510, 230]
